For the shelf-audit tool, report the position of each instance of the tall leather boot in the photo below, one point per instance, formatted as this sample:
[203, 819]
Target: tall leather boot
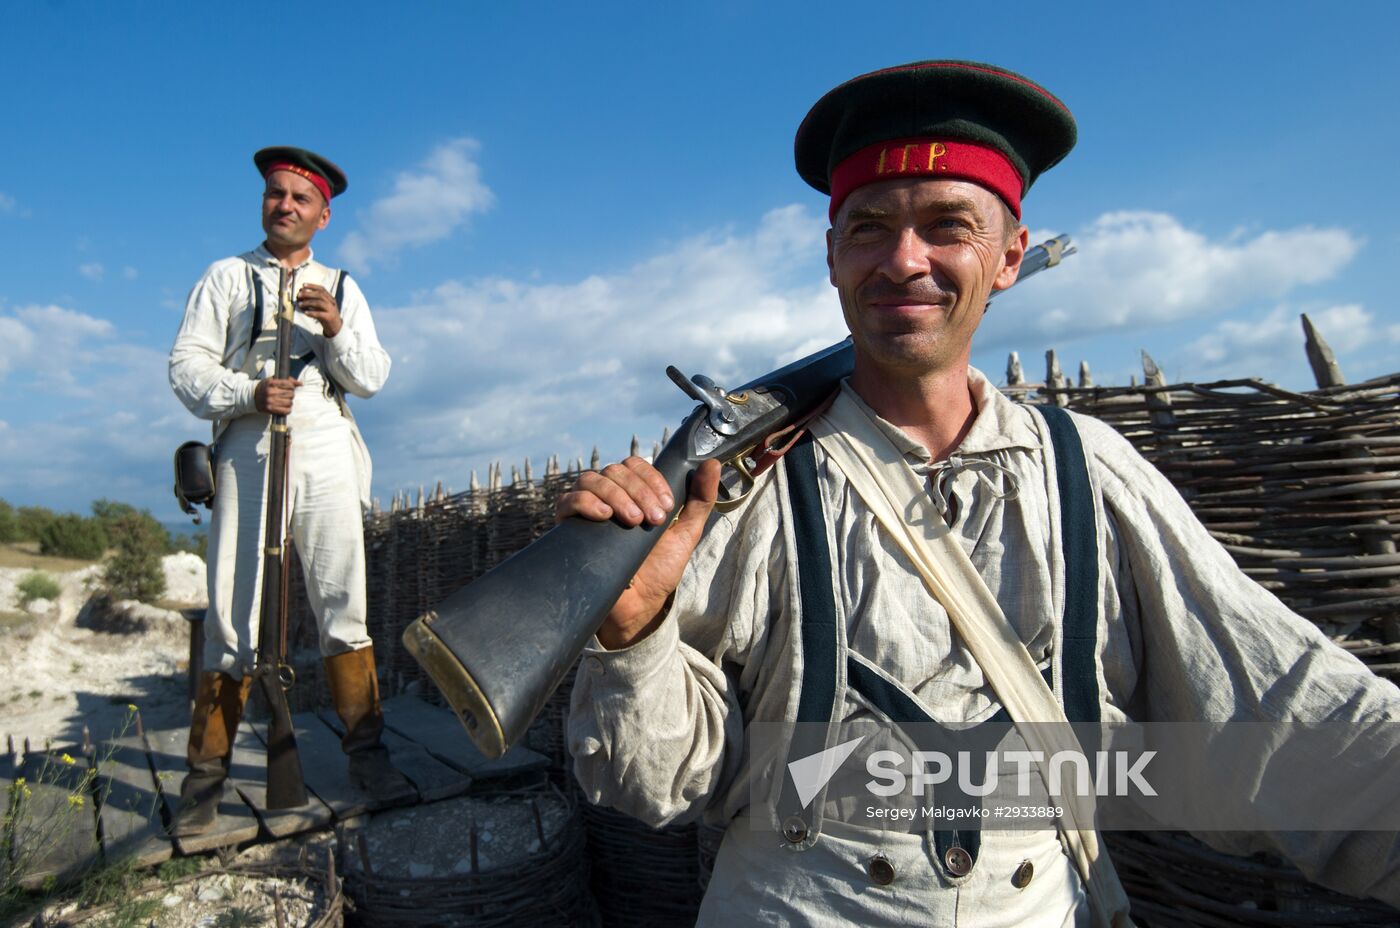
[218, 708]
[355, 691]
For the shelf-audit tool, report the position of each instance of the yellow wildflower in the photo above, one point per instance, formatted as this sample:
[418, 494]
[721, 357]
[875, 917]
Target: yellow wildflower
[19, 781]
[67, 760]
[131, 707]
[75, 802]
[27, 792]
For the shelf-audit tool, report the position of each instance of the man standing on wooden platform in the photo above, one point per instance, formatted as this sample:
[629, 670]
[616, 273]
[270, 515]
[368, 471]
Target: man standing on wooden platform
[931, 560]
[221, 368]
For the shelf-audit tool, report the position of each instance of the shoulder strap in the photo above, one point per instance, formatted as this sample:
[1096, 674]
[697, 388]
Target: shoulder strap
[255, 284]
[1080, 544]
[819, 637]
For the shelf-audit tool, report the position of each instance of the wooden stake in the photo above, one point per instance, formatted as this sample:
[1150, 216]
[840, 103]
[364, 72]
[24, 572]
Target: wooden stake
[1324, 363]
[1055, 380]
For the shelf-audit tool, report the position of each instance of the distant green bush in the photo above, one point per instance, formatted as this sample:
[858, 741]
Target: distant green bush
[133, 571]
[9, 523]
[37, 585]
[110, 512]
[32, 521]
[73, 536]
[197, 544]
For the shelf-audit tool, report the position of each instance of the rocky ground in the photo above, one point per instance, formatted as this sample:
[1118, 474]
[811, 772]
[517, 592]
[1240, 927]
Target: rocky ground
[80, 661]
[237, 890]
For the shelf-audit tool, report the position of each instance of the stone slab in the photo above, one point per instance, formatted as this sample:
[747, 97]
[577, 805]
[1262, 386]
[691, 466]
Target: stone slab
[130, 804]
[433, 779]
[249, 776]
[236, 822]
[56, 840]
[324, 766]
[439, 731]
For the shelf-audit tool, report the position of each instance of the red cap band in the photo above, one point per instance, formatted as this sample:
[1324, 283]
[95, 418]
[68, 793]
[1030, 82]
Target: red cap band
[321, 183]
[927, 158]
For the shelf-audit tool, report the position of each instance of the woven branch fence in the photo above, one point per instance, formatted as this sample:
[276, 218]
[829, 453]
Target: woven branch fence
[1302, 488]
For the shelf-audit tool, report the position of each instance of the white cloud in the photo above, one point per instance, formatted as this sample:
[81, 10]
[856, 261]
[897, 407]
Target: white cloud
[427, 205]
[32, 337]
[1136, 269]
[498, 368]
[7, 203]
[92, 270]
[1270, 346]
[130, 273]
[75, 392]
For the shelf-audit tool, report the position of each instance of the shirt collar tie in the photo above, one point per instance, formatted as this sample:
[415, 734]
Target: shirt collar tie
[941, 475]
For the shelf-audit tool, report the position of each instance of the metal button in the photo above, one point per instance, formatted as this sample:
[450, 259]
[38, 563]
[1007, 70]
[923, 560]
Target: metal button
[958, 861]
[881, 870]
[1022, 877]
[595, 665]
[794, 830]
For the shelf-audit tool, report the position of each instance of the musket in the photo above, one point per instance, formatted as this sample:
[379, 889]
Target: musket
[286, 786]
[498, 647]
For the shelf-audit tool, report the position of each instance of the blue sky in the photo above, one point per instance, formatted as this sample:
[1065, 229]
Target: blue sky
[550, 202]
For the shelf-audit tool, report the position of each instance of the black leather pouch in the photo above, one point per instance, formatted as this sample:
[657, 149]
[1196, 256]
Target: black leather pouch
[194, 477]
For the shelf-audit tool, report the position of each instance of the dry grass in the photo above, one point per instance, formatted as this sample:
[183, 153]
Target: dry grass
[26, 554]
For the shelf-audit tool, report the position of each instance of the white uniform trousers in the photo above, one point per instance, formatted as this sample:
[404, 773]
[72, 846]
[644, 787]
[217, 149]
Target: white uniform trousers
[323, 500]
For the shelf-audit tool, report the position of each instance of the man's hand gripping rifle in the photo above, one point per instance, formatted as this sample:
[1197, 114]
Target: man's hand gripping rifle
[498, 647]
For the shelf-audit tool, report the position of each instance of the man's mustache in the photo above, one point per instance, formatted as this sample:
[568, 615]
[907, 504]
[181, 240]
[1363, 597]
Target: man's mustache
[886, 292]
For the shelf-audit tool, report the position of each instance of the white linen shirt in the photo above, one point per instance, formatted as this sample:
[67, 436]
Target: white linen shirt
[208, 361]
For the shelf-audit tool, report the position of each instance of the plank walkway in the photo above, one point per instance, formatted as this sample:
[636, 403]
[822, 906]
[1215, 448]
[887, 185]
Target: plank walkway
[130, 788]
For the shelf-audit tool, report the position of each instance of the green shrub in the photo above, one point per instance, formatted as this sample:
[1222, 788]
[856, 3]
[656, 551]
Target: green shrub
[37, 585]
[73, 536]
[133, 571]
[32, 521]
[9, 523]
[109, 513]
[196, 543]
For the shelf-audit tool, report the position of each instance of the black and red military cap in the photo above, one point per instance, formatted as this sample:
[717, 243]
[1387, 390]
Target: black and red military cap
[960, 120]
[322, 172]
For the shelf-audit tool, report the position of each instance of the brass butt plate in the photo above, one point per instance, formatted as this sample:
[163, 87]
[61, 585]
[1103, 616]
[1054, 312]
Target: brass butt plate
[456, 683]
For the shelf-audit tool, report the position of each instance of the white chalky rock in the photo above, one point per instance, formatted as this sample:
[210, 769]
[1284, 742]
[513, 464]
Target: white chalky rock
[39, 606]
[211, 894]
[172, 900]
[185, 579]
